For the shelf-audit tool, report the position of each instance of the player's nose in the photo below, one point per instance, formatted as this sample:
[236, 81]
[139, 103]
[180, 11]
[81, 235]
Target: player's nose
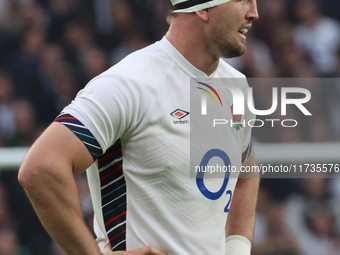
[253, 13]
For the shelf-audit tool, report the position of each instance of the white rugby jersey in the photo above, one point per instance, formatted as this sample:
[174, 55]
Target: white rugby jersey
[140, 183]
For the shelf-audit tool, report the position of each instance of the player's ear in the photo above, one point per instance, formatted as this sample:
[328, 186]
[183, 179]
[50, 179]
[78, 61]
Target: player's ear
[203, 15]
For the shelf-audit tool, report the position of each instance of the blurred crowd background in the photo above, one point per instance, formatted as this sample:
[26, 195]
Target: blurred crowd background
[50, 49]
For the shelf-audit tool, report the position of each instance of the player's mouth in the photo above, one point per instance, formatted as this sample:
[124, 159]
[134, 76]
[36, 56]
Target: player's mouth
[242, 32]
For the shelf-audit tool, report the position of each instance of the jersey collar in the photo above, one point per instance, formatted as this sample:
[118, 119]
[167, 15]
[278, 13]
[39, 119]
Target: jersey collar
[181, 61]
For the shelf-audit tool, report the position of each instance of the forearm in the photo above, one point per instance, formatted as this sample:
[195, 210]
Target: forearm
[56, 202]
[241, 218]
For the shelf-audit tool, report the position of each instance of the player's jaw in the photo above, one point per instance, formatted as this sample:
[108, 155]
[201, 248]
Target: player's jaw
[232, 43]
[229, 33]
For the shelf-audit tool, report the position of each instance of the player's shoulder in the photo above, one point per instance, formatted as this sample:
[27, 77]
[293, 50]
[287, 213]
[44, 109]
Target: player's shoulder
[147, 65]
[141, 72]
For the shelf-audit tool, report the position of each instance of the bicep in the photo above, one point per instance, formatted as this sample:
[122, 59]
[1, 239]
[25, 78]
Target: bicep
[58, 148]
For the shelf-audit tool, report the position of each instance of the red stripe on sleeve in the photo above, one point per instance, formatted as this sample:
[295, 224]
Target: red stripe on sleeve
[100, 160]
[117, 235]
[114, 218]
[65, 118]
[111, 173]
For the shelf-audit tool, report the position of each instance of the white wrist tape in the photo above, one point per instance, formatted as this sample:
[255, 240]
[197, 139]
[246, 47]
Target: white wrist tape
[237, 245]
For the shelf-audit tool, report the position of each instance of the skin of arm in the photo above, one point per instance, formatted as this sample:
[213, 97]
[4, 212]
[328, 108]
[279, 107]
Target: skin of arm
[241, 218]
[47, 175]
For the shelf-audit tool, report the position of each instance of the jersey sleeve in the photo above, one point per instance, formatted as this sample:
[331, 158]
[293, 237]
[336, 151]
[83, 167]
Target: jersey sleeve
[82, 132]
[102, 112]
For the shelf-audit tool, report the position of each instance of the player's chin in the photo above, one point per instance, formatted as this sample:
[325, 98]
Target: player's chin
[242, 47]
[243, 50]
[236, 52]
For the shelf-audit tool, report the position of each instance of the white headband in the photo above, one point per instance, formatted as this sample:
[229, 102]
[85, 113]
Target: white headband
[195, 5]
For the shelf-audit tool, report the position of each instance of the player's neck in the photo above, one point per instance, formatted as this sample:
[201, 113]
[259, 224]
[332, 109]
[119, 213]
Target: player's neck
[193, 47]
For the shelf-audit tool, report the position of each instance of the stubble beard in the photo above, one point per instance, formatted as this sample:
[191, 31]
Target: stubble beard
[230, 49]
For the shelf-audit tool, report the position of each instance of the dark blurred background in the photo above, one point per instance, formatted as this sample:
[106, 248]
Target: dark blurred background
[50, 49]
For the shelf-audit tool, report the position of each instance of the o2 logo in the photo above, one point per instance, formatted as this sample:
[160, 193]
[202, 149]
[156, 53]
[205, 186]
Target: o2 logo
[200, 174]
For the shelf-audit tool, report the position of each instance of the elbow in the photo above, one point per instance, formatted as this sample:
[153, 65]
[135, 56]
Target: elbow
[26, 177]
[38, 174]
[29, 175]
